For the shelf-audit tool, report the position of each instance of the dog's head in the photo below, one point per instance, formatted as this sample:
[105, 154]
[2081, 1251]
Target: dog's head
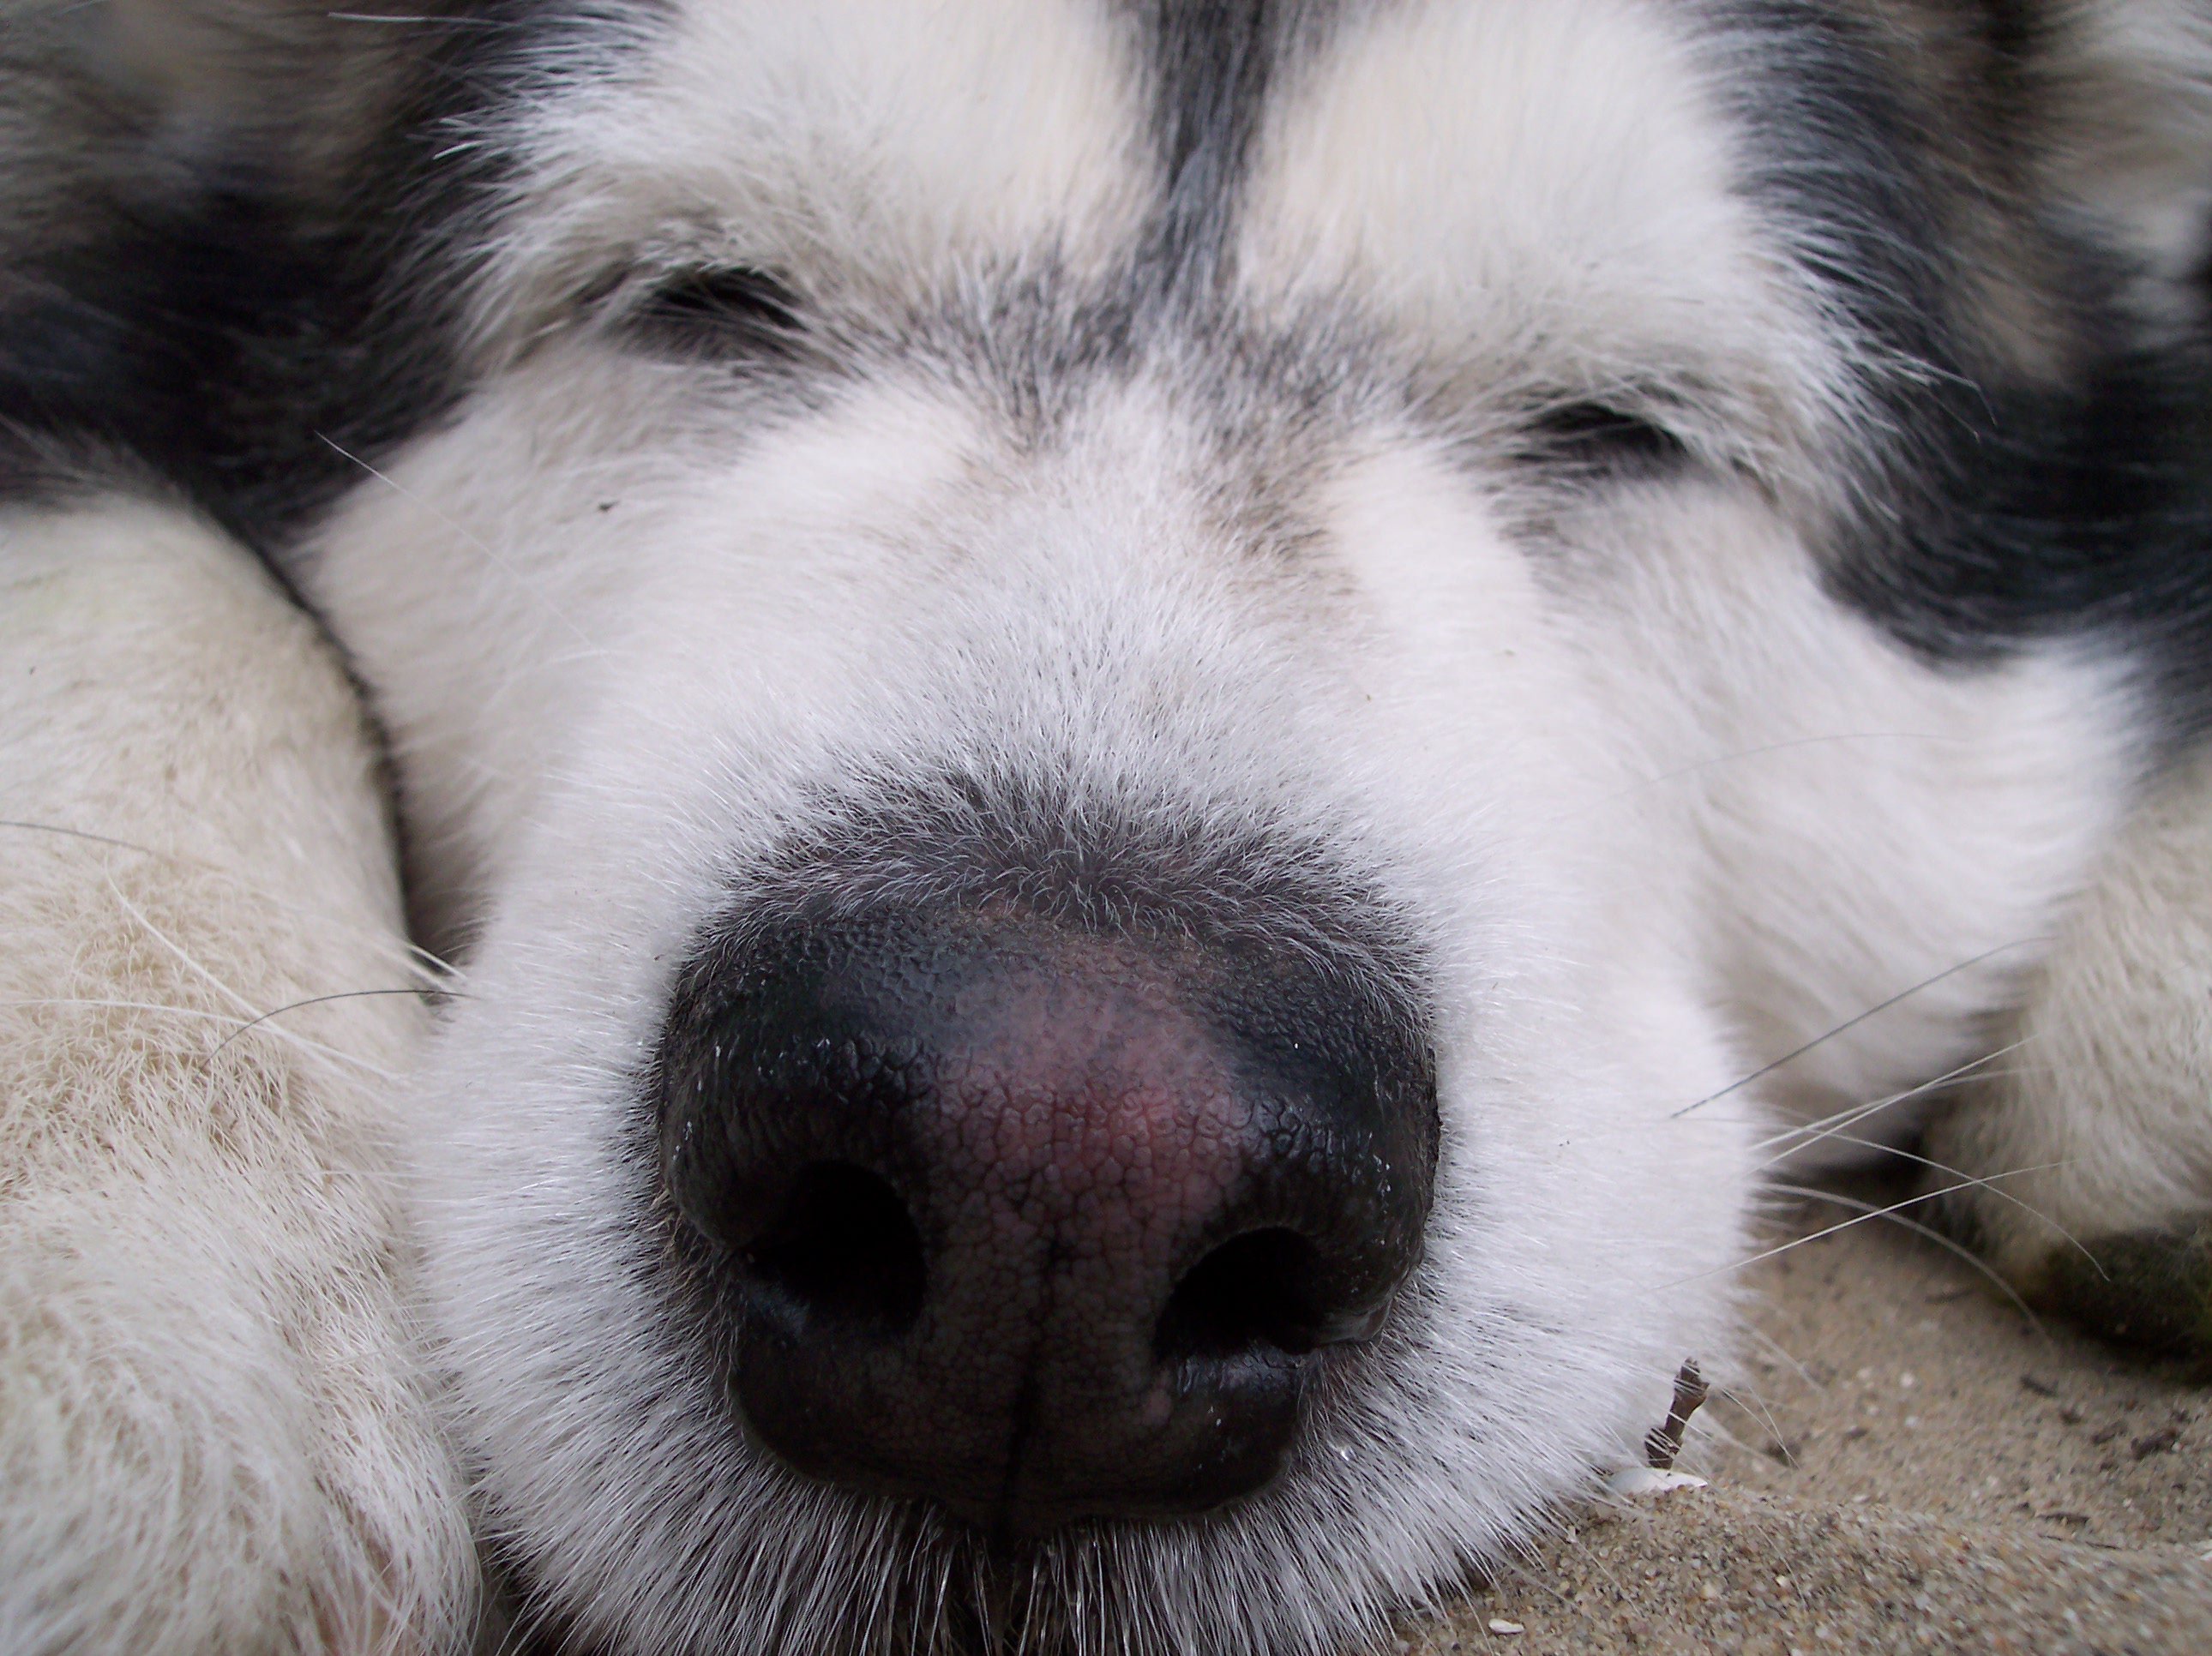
[1058, 1043]
[1038, 648]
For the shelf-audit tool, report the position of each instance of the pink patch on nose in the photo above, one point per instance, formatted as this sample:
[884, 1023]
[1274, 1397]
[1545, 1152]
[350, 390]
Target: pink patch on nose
[1095, 1103]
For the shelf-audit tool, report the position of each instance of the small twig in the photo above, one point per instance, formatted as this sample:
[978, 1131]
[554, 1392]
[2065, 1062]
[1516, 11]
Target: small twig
[1665, 1441]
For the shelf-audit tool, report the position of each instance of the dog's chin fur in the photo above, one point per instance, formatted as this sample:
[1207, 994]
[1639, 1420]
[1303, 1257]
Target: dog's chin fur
[1674, 529]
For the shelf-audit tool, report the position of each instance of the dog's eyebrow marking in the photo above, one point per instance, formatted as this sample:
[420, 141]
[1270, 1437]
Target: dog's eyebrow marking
[1212, 66]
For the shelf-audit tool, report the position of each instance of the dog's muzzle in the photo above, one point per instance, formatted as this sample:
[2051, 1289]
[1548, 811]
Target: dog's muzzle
[1036, 1220]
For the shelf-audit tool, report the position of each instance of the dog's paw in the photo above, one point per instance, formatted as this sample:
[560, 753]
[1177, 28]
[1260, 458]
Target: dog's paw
[214, 1435]
[2151, 1288]
[2080, 1163]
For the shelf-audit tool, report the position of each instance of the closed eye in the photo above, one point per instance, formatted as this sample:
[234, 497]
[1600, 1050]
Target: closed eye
[1601, 436]
[719, 311]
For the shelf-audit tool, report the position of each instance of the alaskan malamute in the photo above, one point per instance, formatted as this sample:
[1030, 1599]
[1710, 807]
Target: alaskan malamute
[1161, 742]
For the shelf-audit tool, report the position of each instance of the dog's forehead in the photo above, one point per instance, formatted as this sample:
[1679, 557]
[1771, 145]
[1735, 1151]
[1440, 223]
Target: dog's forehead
[1562, 161]
[1555, 180]
[874, 142]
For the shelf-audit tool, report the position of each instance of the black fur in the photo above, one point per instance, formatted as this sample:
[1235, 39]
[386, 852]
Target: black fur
[248, 346]
[1994, 513]
[2085, 513]
[1211, 62]
[1214, 64]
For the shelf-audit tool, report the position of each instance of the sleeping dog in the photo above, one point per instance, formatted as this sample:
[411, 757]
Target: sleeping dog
[1142, 752]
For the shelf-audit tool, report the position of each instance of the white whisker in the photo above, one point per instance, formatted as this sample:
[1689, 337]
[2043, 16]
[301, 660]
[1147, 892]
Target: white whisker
[1862, 1212]
[1991, 1183]
[1829, 1126]
[238, 1023]
[1853, 1022]
[529, 588]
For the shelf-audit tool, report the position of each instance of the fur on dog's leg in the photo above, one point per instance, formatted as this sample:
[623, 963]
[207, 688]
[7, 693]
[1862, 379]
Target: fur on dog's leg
[213, 1436]
[2096, 1142]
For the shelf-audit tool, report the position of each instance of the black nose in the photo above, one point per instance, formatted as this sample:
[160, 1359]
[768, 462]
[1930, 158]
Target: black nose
[1035, 1222]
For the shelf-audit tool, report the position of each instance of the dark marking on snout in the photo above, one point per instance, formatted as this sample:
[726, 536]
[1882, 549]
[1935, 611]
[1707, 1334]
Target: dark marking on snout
[1040, 1219]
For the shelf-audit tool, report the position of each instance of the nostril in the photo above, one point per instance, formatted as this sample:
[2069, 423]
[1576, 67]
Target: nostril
[1265, 1287]
[842, 1248]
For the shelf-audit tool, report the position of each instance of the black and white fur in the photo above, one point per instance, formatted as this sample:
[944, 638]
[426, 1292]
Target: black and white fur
[1691, 519]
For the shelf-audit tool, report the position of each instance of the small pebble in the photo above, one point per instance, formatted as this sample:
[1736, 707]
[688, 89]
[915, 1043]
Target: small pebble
[2157, 1443]
[1504, 1628]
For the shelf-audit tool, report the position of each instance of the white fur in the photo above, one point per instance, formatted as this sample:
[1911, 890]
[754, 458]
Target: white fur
[212, 1434]
[852, 143]
[1864, 831]
[1097, 639]
[1539, 195]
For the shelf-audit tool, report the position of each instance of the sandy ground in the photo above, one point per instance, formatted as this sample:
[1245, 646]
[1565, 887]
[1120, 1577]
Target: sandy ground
[1909, 1463]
